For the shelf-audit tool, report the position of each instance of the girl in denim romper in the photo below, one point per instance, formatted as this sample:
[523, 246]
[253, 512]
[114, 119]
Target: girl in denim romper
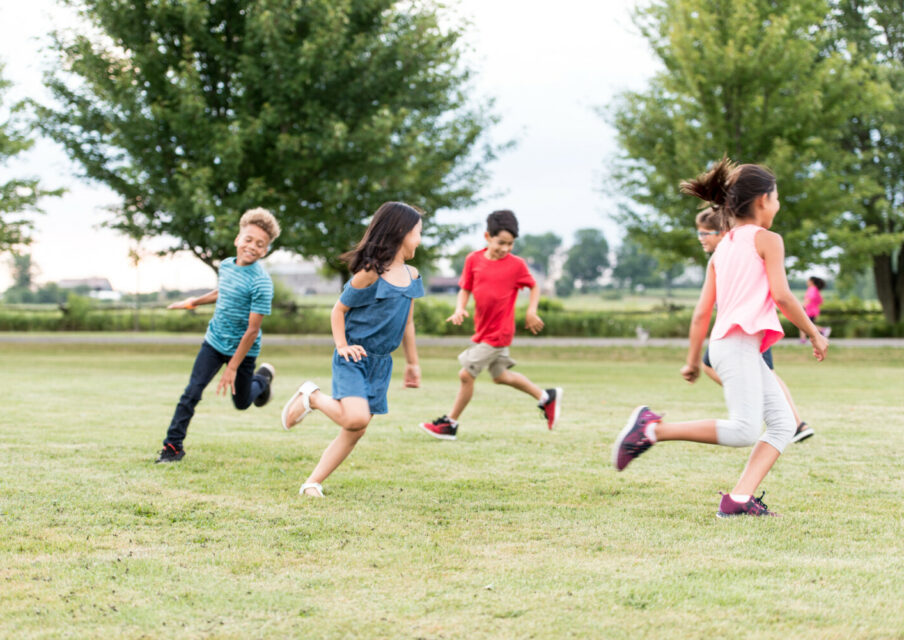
[373, 316]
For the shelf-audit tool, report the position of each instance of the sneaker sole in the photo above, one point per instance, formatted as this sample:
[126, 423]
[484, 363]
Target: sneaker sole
[624, 432]
[803, 435]
[438, 436]
[558, 411]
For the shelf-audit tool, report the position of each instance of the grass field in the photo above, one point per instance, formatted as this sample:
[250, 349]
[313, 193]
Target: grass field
[510, 532]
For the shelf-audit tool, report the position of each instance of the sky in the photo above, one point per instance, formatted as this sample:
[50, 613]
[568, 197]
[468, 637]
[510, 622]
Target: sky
[549, 71]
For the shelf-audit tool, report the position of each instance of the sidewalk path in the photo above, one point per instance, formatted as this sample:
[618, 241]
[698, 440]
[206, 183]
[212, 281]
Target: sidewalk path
[427, 341]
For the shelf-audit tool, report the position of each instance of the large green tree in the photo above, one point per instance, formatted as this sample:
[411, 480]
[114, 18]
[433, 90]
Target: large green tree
[872, 230]
[538, 249]
[587, 259]
[18, 196]
[754, 79]
[319, 110]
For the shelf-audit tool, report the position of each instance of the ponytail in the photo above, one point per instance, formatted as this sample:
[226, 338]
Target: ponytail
[730, 189]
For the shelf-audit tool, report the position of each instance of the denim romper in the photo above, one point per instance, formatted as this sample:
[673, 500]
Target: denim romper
[375, 320]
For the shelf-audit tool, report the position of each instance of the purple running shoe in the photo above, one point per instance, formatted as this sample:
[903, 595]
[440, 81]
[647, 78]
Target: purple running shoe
[753, 507]
[633, 440]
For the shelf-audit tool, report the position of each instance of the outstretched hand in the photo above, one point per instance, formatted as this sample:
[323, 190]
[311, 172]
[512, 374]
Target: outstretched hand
[458, 316]
[690, 372]
[533, 323]
[412, 376]
[183, 304]
[820, 346]
[227, 381]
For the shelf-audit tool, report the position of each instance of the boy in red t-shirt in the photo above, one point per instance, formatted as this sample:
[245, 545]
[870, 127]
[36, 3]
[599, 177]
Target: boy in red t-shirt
[494, 276]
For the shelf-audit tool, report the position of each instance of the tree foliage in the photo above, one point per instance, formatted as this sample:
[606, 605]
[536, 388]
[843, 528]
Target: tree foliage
[538, 249]
[587, 259]
[754, 79]
[18, 196]
[319, 110]
[635, 266]
[872, 230]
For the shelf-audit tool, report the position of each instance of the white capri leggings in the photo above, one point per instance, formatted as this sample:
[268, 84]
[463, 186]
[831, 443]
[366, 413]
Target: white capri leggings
[752, 394]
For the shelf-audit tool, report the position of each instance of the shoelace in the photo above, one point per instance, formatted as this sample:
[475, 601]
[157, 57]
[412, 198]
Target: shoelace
[636, 448]
[759, 507]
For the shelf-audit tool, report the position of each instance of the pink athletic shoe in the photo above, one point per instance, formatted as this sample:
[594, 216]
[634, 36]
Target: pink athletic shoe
[633, 440]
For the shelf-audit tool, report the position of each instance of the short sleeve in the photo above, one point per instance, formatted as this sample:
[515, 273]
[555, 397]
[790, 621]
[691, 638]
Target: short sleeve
[262, 296]
[466, 281]
[352, 297]
[525, 279]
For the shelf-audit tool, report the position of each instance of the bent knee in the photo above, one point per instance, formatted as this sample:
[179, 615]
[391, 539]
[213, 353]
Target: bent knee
[738, 433]
[465, 376]
[356, 424]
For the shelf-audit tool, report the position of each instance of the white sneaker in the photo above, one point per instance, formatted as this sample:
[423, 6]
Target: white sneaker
[304, 391]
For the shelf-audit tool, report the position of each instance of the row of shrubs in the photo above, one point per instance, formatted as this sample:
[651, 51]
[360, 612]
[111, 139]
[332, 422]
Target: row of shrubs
[80, 314]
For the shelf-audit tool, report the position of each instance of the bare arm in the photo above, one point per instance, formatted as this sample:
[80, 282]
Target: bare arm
[532, 321]
[703, 313]
[461, 303]
[772, 249]
[412, 368]
[360, 280]
[227, 380]
[191, 303]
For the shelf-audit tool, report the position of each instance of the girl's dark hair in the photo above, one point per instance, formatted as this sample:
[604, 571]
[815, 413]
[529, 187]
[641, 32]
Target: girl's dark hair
[731, 189]
[818, 282]
[389, 226]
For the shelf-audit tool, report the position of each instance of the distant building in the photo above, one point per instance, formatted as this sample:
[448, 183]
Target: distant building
[97, 288]
[304, 277]
[442, 284]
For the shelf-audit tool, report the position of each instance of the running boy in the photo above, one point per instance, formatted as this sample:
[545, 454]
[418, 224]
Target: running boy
[494, 276]
[243, 295]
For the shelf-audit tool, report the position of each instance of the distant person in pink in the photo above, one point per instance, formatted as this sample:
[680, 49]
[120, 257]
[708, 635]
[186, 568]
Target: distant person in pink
[812, 304]
[746, 278]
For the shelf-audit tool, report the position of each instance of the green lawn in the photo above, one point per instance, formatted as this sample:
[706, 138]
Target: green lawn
[510, 532]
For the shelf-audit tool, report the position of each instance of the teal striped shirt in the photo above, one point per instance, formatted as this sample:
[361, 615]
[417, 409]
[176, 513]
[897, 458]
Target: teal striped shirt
[241, 291]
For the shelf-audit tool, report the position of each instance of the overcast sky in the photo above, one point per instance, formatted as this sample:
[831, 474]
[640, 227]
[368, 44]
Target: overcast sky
[548, 70]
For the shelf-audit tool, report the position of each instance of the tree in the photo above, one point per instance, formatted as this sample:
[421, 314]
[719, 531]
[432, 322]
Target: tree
[537, 249]
[319, 110]
[587, 258]
[872, 230]
[753, 79]
[18, 196]
[458, 258]
[635, 266]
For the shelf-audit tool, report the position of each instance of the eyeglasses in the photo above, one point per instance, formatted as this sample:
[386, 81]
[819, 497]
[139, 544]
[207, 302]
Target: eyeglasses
[703, 234]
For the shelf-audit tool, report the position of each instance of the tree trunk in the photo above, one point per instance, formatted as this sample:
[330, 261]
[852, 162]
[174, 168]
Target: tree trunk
[888, 271]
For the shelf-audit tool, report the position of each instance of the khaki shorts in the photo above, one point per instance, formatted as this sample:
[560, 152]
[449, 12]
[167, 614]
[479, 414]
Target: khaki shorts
[480, 356]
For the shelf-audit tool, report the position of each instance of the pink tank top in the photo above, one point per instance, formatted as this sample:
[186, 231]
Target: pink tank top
[742, 289]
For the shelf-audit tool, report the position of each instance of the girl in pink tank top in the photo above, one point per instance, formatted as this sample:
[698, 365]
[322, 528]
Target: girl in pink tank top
[746, 278]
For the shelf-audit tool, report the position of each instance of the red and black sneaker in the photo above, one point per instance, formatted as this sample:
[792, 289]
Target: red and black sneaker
[443, 428]
[729, 507]
[633, 440]
[169, 453]
[553, 406]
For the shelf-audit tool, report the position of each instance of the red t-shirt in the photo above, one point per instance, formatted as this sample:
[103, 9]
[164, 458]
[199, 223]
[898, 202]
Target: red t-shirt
[495, 285]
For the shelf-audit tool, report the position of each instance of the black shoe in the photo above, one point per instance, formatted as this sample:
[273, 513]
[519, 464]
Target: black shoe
[266, 371]
[441, 428]
[803, 432]
[169, 453]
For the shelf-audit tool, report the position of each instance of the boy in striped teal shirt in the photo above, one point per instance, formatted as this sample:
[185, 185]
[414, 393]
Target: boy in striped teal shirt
[243, 296]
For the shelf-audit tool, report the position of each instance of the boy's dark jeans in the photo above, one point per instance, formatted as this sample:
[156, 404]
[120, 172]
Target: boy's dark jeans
[209, 361]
